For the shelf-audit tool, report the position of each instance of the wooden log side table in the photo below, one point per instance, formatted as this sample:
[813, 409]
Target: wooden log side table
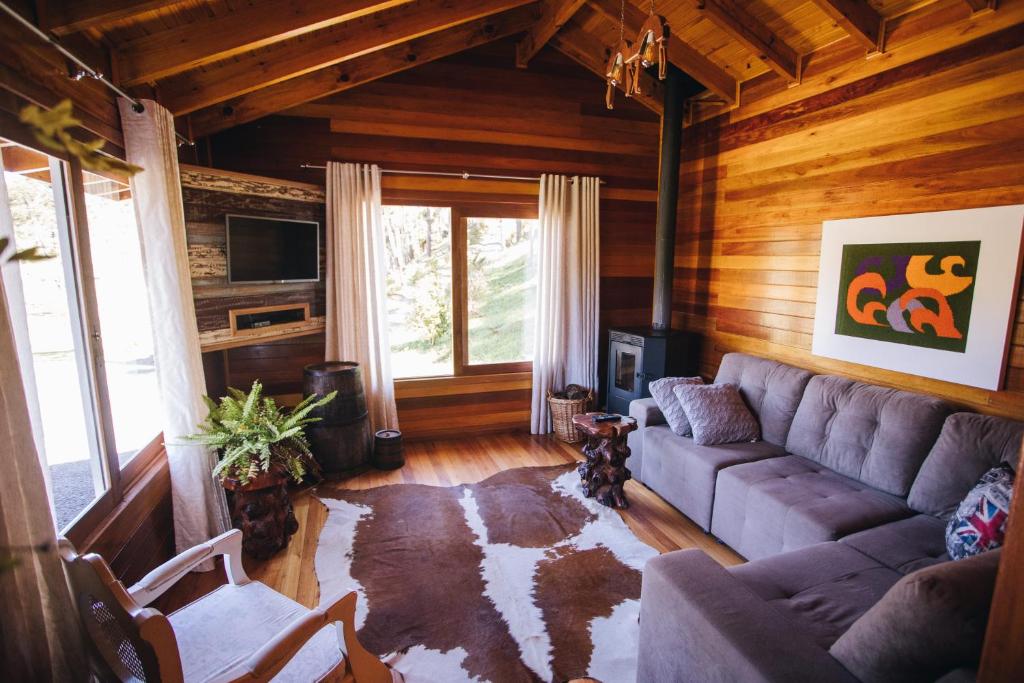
[604, 471]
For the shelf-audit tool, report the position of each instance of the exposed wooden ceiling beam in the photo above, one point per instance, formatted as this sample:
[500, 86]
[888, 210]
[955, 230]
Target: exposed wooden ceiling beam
[68, 16]
[554, 15]
[589, 52]
[215, 37]
[341, 77]
[858, 18]
[982, 5]
[699, 67]
[229, 78]
[755, 36]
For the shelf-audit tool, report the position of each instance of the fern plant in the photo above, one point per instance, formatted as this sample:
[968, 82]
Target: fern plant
[253, 434]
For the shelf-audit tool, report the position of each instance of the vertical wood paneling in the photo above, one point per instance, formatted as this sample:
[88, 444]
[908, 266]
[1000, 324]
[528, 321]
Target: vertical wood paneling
[942, 132]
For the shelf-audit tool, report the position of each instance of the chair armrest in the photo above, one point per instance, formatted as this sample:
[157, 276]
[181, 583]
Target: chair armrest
[159, 581]
[646, 412]
[700, 623]
[268, 661]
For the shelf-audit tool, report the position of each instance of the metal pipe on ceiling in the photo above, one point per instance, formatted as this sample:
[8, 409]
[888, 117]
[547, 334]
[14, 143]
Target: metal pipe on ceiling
[86, 69]
[465, 175]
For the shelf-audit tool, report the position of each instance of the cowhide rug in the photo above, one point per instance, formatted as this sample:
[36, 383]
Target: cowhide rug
[516, 578]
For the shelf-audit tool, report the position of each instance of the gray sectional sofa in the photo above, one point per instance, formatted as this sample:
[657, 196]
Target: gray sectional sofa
[848, 492]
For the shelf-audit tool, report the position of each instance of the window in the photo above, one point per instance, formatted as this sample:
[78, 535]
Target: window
[90, 376]
[460, 288]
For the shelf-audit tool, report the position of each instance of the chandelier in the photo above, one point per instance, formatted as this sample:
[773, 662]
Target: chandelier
[628, 59]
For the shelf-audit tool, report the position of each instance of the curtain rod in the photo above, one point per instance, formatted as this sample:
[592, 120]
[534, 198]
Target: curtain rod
[465, 175]
[86, 69]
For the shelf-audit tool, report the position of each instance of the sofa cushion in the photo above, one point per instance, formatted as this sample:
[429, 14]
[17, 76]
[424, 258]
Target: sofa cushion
[717, 414]
[825, 587]
[931, 622]
[979, 524]
[684, 473]
[782, 504]
[772, 391]
[875, 435]
[968, 446]
[905, 545]
[671, 408]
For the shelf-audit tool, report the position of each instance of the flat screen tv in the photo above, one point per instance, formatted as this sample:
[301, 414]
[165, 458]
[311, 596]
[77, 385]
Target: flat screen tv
[272, 250]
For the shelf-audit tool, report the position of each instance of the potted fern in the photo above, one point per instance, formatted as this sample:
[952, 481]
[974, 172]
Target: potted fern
[261, 448]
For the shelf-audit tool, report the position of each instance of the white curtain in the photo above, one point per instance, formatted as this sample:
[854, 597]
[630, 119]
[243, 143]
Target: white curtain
[567, 327]
[357, 324]
[39, 637]
[200, 509]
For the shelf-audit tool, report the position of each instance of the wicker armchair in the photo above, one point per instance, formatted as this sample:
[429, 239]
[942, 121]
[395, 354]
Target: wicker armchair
[242, 631]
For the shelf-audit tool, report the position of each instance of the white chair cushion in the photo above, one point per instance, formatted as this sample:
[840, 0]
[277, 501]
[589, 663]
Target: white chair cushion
[224, 628]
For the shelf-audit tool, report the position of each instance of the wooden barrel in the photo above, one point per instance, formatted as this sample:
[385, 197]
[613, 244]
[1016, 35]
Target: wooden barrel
[341, 440]
[387, 449]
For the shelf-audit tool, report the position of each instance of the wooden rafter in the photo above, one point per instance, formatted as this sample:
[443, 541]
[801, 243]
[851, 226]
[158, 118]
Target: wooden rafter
[215, 37]
[857, 18]
[341, 77]
[554, 14]
[588, 51]
[229, 78]
[755, 36]
[713, 77]
[982, 5]
[68, 16]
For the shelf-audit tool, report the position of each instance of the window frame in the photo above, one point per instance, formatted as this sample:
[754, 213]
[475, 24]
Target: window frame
[68, 182]
[461, 212]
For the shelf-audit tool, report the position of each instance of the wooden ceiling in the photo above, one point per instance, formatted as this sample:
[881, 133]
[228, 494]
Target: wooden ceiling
[219, 63]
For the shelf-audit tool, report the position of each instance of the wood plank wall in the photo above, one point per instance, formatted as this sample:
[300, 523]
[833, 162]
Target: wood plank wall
[938, 132]
[474, 112]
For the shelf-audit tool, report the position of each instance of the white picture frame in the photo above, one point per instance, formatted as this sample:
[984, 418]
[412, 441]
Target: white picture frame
[982, 363]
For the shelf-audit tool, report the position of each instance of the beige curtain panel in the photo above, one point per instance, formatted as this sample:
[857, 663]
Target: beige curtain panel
[568, 258]
[200, 507]
[357, 323]
[39, 638]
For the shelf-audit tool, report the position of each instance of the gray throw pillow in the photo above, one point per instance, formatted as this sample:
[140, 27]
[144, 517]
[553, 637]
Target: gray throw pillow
[929, 623]
[675, 416]
[717, 414]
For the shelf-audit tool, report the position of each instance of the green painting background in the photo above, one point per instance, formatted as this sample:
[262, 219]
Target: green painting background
[854, 254]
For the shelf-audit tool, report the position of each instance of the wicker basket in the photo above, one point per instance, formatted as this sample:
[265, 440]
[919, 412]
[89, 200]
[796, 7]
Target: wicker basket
[562, 412]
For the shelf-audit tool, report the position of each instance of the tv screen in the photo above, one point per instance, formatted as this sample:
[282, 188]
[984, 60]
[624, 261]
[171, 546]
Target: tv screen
[272, 250]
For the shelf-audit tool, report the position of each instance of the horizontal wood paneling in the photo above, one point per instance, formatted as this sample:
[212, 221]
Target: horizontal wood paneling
[940, 132]
[472, 112]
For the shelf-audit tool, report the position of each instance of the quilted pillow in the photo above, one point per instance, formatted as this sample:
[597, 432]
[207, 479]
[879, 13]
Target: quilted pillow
[717, 414]
[675, 416]
[979, 524]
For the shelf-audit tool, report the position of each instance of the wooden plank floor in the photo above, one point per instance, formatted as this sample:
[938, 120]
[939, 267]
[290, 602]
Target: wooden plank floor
[450, 463]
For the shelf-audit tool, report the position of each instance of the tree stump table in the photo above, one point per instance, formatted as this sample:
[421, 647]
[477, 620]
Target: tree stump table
[604, 472]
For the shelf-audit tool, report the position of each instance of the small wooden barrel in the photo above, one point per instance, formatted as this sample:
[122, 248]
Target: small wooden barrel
[341, 440]
[387, 449]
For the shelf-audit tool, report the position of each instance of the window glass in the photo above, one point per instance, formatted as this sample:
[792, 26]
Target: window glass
[501, 289]
[419, 289]
[123, 307]
[61, 390]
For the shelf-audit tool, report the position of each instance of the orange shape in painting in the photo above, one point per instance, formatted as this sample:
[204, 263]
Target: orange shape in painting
[866, 315]
[947, 282]
[942, 322]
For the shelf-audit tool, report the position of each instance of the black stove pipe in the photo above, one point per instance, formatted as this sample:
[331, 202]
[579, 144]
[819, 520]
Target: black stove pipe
[668, 196]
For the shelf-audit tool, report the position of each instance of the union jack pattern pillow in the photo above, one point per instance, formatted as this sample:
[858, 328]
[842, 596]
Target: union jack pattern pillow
[979, 524]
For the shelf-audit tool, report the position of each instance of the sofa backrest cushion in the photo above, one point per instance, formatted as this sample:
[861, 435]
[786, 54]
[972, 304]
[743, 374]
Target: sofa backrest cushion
[875, 435]
[931, 622]
[771, 389]
[968, 446]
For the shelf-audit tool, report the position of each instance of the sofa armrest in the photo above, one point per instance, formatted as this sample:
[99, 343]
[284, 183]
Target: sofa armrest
[699, 623]
[646, 412]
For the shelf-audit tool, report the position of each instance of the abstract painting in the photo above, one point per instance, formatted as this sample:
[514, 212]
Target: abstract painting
[930, 294]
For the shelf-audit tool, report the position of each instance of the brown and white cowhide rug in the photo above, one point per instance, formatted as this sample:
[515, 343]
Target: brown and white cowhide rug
[516, 578]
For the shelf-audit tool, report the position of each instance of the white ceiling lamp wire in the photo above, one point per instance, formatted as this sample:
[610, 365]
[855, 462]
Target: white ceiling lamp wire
[86, 70]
